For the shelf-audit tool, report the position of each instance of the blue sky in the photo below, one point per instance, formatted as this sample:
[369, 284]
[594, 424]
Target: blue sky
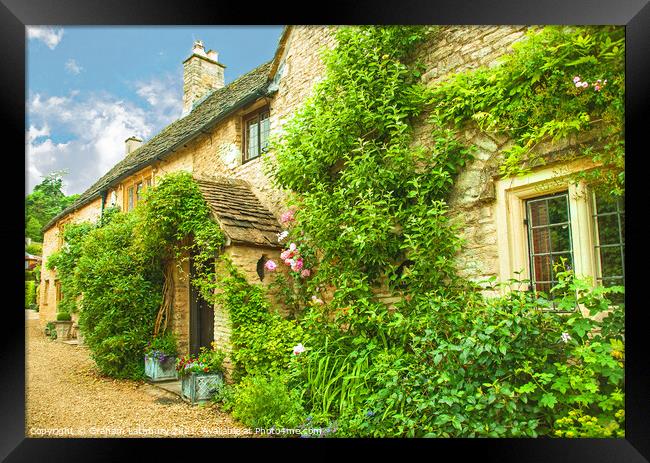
[89, 88]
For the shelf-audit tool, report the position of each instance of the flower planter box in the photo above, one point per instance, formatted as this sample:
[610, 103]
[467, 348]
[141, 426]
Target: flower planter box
[157, 370]
[62, 330]
[199, 387]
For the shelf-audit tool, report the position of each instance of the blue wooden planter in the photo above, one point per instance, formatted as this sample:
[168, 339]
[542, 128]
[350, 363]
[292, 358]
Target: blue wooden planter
[199, 387]
[156, 370]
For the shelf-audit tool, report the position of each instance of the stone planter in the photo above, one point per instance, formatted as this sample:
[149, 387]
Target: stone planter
[156, 370]
[62, 330]
[199, 387]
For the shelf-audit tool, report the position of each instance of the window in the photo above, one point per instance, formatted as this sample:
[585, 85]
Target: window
[609, 240]
[130, 204]
[546, 218]
[256, 134]
[134, 192]
[549, 239]
[59, 296]
[139, 188]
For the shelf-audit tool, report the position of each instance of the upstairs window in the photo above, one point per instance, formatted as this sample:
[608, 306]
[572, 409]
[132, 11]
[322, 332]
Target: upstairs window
[134, 193]
[256, 134]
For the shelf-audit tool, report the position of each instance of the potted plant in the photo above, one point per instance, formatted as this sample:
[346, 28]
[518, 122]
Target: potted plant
[201, 376]
[62, 325]
[160, 358]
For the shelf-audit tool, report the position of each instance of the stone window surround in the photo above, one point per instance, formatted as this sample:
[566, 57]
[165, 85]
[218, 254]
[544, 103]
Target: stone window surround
[512, 240]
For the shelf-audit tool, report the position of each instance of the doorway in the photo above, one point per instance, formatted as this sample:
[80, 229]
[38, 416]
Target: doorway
[201, 317]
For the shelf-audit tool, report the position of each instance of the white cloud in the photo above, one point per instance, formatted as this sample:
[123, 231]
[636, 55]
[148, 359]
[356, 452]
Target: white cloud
[97, 127]
[73, 67]
[164, 95]
[50, 36]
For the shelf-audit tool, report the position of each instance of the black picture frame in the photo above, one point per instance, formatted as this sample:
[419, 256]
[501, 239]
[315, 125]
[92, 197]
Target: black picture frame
[634, 14]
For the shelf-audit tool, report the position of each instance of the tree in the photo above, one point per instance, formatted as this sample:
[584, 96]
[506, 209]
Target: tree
[46, 200]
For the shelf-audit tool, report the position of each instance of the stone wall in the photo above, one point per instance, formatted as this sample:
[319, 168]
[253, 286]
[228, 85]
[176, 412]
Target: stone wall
[245, 259]
[450, 50]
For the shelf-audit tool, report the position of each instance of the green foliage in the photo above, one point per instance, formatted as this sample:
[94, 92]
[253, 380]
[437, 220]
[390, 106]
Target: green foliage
[370, 208]
[30, 293]
[165, 343]
[43, 203]
[50, 331]
[177, 222]
[261, 340]
[34, 248]
[265, 401]
[63, 317]
[208, 361]
[531, 98]
[368, 199]
[121, 292]
[112, 270]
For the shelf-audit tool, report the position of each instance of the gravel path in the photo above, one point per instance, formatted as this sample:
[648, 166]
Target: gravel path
[67, 397]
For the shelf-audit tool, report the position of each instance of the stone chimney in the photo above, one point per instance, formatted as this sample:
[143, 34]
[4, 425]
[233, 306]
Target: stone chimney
[132, 144]
[202, 73]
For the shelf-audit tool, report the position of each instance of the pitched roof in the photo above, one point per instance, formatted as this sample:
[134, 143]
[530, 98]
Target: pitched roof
[217, 105]
[240, 214]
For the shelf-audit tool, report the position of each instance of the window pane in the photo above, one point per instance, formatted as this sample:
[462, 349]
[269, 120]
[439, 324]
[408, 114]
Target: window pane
[560, 238]
[130, 198]
[611, 261]
[139, 191]
[538, 213]
[608, 229]
[253, 147]
[265, 127]
[610, 238]
[540, 240]
[542, 268]
[558, 211]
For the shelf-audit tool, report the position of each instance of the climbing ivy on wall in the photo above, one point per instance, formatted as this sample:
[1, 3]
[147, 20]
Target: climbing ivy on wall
[368, 200]
[558, 83]
[113, 271]
[369, 208]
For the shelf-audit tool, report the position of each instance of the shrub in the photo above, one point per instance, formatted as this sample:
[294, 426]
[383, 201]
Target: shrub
[30, 293]
[261, 340]
[262, 401]
[63, 317]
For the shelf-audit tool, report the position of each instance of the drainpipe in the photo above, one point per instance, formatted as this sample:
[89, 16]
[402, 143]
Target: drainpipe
[104, 194]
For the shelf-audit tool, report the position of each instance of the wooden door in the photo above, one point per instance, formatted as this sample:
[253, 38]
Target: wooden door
[201, 319]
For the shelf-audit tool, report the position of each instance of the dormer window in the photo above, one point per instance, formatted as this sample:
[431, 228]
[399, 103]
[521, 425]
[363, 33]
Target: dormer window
[256, 134]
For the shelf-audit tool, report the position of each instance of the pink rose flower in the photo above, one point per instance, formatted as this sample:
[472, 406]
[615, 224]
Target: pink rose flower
[286, 254]
[292, 247]
[270, 265]
[297, 265]
[576, 79]
[287, 216]
[305, 273]
[316, 300]
[585, 84]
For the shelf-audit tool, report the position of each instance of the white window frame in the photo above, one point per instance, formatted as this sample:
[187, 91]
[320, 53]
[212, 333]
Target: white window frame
[512, 239]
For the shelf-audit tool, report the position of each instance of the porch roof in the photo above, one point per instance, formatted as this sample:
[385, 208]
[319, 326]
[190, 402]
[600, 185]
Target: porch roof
[241, 216]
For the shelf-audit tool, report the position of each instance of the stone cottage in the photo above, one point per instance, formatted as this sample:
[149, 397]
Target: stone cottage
[514, 227]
